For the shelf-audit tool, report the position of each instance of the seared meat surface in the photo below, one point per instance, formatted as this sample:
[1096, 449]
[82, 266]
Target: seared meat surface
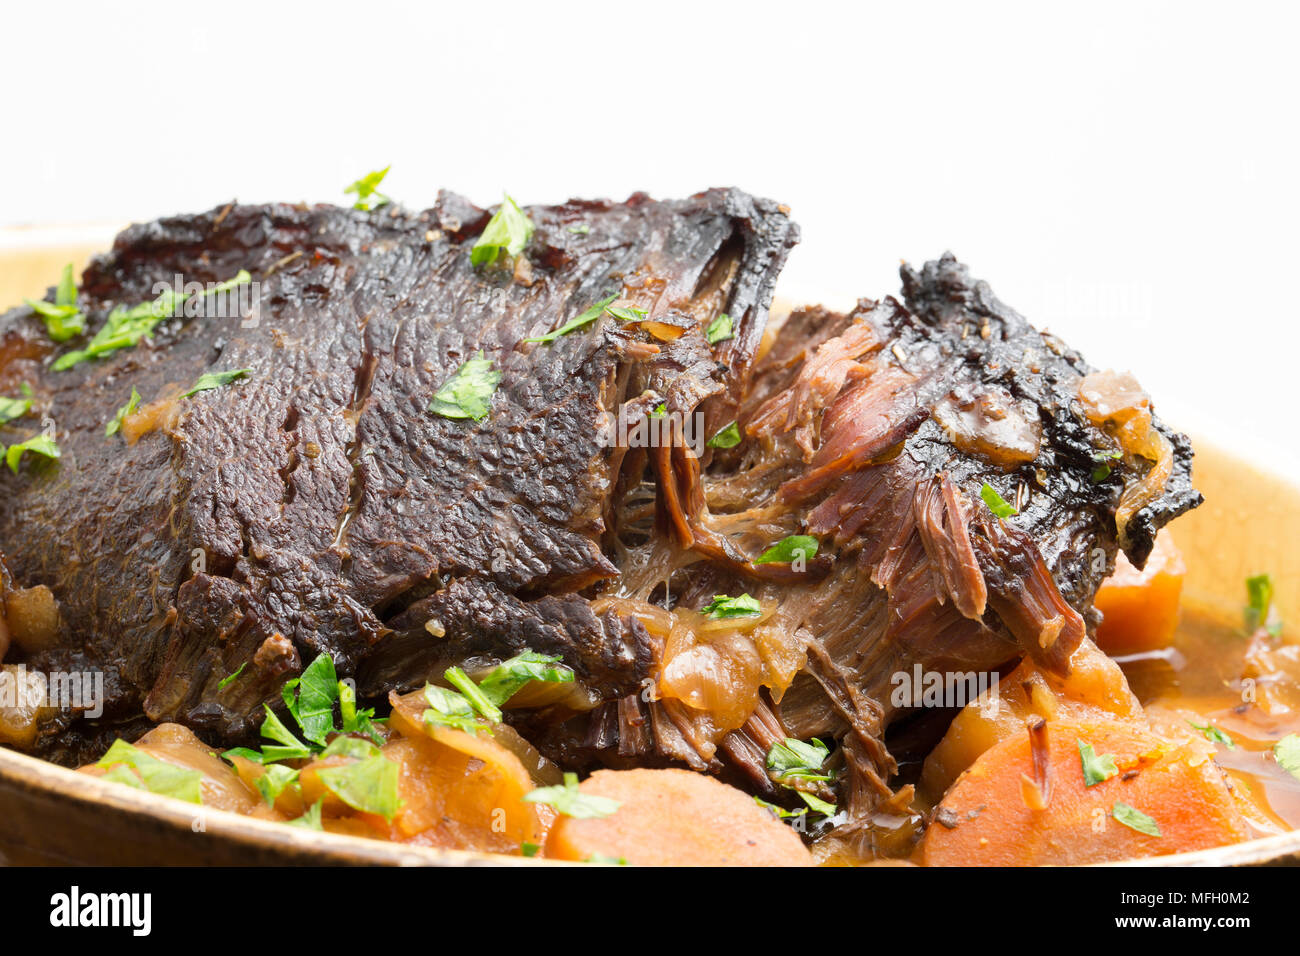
[309, 507]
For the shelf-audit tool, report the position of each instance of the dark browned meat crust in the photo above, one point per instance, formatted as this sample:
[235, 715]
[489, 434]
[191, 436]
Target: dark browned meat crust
[944, 295]
[320, 500]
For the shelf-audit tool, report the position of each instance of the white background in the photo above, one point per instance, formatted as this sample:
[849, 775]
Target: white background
[1125, 175]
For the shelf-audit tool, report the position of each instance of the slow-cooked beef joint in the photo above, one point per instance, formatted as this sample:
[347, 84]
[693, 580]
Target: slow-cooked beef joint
[968, 481]
[319, 504]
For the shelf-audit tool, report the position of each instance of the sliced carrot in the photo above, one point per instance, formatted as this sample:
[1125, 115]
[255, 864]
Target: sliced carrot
[1095, 688]
[675, 818]
[1140, 608]
[987, 820]
[461, 789]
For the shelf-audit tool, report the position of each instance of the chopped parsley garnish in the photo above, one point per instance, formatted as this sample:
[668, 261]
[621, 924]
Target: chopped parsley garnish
[369, 781]
[719, 330]
[125, 328]
[62, 319]
[572, 802]
[287, 745]
[507, 231]
[310, 700]
[580, 229]
[353, 748]
[722, 607]
[509, 677]
[213, 380]
[356, 721]
[780, 812]
[368, 785]
[247, 753]
[231, 677]
[1287, 754]
[41, 444]
[274, 780]
[659, 411]
[1259, 594]
[366, 189]
[449, 709]
[150, 773]
[585, 318]
[816, 803]
[789, 550]
[474, 694]
[1101, 471]
[1096, 767]
[1134, 819]
[626, 313]
[792, 759]
[311, 819]
[529, 850]
[1213, 734]
[468, 393]
[115, 426]
[996, 504]
[476, 702]
[11, 408]
[602, 859]
[726, 437]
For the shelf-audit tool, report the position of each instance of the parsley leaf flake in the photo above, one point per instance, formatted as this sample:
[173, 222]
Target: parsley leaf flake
[789, 549]
[507, 231]
[468, 393]
[996, 504]
[719, 330]
[572, 802]
[723, 607]
[1134, 819]
[1096, 767]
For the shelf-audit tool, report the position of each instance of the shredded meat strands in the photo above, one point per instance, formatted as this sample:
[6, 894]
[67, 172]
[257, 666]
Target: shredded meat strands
[1037, 792]
[839, 425]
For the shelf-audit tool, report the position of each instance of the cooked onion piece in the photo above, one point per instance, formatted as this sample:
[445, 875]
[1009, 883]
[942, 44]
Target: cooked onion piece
[990, 423]
[1115, 401]
[32, 615]
[463, 790]
[23, 705]
[221, 787]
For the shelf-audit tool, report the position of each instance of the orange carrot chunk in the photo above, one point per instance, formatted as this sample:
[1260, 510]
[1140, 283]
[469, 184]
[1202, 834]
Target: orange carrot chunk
[675, 818]
[1140, 608]
[990, 817]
